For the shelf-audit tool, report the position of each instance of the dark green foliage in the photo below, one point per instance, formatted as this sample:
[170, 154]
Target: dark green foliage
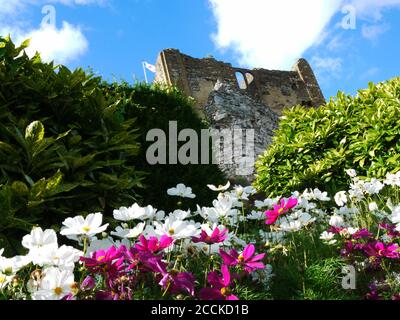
[153, 107]
[314, 147]
[63, 149]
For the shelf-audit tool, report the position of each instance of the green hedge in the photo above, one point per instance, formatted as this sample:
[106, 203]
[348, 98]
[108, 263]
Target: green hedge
[154, 107]
[314, 147]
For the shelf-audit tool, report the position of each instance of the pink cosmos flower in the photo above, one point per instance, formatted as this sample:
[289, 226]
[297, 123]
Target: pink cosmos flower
[108, 262]
[145, 261]
[362, 234]
[335, 230]
[178, 282]
[380, 250]
[220, 286]
[154, 245]
[280, 209]
[217, 236]
[88, 283]
[246, 259]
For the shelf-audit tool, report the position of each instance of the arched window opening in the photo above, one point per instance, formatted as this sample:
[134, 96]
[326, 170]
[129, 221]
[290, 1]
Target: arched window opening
[241, 80]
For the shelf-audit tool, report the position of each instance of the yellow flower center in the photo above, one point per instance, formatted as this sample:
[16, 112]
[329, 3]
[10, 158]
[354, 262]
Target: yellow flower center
[280, 210]
[58, 291]
[2, 279]
[100, 258]
[241, 258]
[86, 229]
[171, 231]
[224, 291]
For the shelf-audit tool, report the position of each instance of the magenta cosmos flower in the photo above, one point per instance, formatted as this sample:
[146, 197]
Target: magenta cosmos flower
[109, 262]
[178, 282]
[220, 286]
[280, 209]
[380, 250]
[362, 234]
[246, 259]
[217, 236]
[154, 245]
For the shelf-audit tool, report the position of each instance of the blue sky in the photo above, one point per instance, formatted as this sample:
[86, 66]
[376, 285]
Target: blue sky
[347, 42]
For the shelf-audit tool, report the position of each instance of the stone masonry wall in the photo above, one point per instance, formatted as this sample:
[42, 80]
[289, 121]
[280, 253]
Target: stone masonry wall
[255, 103]
[276, 89]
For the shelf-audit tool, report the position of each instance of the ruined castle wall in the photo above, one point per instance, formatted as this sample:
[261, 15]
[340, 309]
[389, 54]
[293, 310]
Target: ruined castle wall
[276, 89]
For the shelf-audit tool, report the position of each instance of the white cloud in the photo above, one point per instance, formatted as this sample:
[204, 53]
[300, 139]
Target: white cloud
[59, 44]
[62, 45]
[327, 64]
[273, 34]
[372, 9]
[371, 32]
[270, 34]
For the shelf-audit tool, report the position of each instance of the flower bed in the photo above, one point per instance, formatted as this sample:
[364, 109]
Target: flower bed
[239, 248]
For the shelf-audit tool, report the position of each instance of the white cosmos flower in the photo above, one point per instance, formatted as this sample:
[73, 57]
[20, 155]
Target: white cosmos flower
[5, 280]
[176, 229]
[223, 205]
[242, 193]
[352, 231]
[373, 206]
[208, 214]
[321, 196]
[351, 173]
[315, 194]
[341, 198]
[305, 204]
[336, 221]
[64, 257]
[181, 191]
[55, 285]
[10, 266]
[373, 187]
[80, 226]
[1, 252]
[129, 233]
[290, 226]
[393, 179]
[267, 203]
[395, 217]
[220, 188]
[179, 214]
[328, 237]
[38, 239]
[135, 212]
[256, 215]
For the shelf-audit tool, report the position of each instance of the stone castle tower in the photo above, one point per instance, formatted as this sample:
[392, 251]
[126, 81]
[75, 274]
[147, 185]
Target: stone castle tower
[276, 89]
[237, 98]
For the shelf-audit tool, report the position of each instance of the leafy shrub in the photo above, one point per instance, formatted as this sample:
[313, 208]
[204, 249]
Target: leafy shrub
[72, 136]
[154, 107]
[314, 147]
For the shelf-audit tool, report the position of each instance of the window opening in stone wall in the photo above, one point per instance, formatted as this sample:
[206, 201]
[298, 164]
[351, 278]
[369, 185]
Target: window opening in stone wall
[241, 80]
